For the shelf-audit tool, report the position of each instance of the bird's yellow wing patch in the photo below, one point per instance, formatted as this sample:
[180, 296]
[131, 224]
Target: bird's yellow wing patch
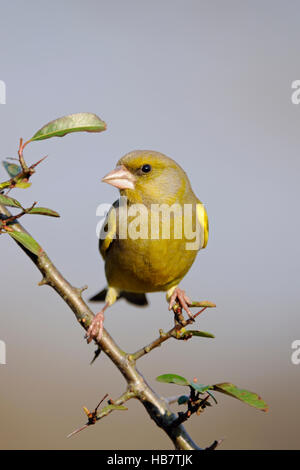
[108, 231]
[203, 220]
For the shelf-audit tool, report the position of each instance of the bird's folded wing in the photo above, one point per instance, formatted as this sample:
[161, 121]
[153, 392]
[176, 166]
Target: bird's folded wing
[109, 230]
[203, 220]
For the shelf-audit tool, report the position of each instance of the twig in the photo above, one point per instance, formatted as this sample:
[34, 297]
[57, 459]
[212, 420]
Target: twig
[94, 416]
[172, 333]
[26, 172]
[11, 219]
[21, 157]
[195, 404]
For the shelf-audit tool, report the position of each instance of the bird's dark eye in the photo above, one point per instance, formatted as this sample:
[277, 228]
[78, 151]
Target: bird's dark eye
[146, 168]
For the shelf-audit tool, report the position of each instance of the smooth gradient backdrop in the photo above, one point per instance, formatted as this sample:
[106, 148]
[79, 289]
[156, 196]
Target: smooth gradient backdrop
[209, 84]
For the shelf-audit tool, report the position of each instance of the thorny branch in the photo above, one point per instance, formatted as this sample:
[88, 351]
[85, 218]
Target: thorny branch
[137, 387]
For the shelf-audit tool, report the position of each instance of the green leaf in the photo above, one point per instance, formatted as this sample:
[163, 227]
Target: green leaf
[212, 396]
[27, 241]
[200, 387]
[182, 400]
[9, 201]
[12, 169]
[43, 211]
[204, 303]
[4, 185]
[173, 379]
[72, 123]
[22, 185]
[203, 334]
[250, 398]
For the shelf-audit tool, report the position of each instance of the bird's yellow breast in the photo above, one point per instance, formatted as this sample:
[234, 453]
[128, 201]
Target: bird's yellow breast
[146, 264]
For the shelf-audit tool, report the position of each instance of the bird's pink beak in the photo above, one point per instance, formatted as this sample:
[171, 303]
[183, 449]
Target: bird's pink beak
[121, 178]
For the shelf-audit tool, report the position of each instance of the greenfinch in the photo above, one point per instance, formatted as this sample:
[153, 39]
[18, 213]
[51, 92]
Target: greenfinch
[151, 234]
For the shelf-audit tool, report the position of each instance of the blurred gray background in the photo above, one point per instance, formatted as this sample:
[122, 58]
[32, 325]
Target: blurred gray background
[209, 84]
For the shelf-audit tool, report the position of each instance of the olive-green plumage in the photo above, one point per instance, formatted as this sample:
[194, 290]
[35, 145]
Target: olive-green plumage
[149, 265]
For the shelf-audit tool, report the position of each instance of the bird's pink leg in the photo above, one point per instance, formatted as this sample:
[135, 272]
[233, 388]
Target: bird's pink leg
[183, 300]
[96, 327]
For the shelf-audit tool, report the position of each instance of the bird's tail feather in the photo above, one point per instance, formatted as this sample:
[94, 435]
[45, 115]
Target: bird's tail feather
[135, 298]
[131, 297]
[100, 297]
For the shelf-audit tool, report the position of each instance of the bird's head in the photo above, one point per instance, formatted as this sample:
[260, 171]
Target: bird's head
[146, 176]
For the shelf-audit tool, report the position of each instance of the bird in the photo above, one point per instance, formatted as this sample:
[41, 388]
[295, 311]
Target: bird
[139, 256]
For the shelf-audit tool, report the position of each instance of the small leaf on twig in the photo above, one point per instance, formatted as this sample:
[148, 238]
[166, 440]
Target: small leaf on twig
[12, 169]
[173, 379]
[9, 201]
[246, 396]
[203, 334]
[200, 387]
[212, 396]
[204, 303]
[15, 181]
[27, 241]
[182, 400]
[250, 398]
[92, 416]
[78, 122]
[43, 211]
[23, 185]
